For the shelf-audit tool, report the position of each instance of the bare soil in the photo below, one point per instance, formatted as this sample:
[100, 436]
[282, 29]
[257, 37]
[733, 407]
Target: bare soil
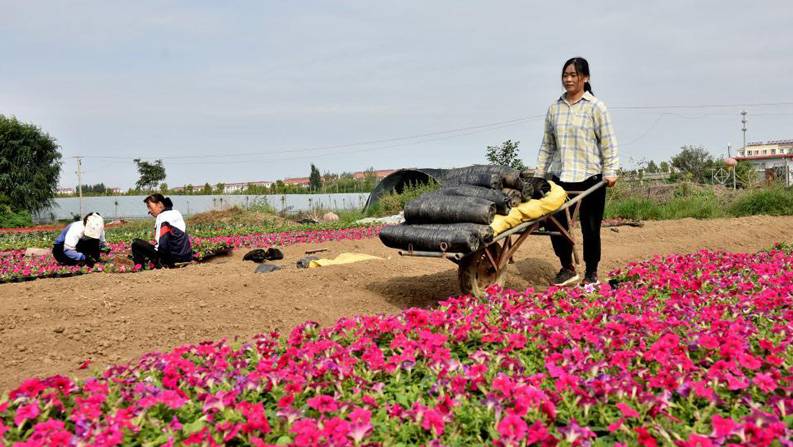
[51, 326]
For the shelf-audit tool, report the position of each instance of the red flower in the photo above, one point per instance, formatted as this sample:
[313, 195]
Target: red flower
[645, 438]
[512, 428]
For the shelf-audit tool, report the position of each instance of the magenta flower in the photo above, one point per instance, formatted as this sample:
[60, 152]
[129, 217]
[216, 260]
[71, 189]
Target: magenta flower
[432, 420]
[765, 382]
[722, 427]
[26, 413]
[512, 428]
[323, 404]
[627, 411]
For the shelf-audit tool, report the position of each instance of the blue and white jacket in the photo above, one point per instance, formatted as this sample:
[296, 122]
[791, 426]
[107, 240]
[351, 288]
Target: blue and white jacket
[71, 235]
[170, 233]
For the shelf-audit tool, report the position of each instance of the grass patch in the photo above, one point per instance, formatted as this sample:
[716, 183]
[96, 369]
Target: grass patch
[393, 203]
[774, 201]
[697, 201]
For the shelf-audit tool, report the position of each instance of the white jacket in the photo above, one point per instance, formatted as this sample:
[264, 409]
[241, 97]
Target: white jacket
[174, 218]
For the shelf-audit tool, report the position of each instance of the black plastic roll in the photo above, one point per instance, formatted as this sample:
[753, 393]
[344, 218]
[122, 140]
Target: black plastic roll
[514, 196]
[441, 208]
[488, 180]
[498, 198]
[453, 238]
[510, 178]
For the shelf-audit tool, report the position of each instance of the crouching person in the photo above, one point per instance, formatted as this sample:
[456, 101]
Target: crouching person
[81, 242]
[170, 234]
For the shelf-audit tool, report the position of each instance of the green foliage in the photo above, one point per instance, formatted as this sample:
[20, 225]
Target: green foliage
[651, 168]
[700, 202]
[14, 219]
[151, 174]
[315, 179]
[773, 201]
[99, 188]
[393, 203]
[745, 174]
[505, 154]
[695, 161]
[29, 165]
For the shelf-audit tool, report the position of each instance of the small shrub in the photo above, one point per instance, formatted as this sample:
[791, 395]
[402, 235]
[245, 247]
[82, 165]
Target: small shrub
[774, 201]
[393, 203]
[14, 219]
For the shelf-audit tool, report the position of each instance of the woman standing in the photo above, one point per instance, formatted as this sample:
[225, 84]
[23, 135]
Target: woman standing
[579, 150]
[170, 233]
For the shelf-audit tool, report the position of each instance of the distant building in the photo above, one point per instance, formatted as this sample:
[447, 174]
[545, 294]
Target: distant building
[298, 181]
[379, 174]
[242, 186]
[115, 191]
[64, 191]
[772, 160]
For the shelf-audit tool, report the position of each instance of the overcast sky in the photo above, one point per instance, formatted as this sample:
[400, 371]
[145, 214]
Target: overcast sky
[243, 91]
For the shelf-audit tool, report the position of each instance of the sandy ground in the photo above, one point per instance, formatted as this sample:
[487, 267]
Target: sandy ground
[51, 326]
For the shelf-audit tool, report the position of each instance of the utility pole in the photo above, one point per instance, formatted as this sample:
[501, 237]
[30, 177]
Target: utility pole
[733, 167]
[80, 182]
[743, 121]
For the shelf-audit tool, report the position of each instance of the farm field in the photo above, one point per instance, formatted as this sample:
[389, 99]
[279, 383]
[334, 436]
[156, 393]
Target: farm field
[113, 317]
[74, 325]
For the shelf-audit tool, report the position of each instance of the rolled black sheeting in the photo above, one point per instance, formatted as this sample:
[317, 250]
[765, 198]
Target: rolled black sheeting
[458, 238]
[510, 178]
[500, 199]
[514, 196]
[488, 180]
[440, 208]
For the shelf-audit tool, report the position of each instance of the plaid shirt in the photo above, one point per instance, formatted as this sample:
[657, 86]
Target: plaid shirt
[579, 141]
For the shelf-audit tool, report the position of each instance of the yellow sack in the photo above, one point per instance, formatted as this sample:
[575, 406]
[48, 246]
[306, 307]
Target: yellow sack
[344, 258]
[530, 210]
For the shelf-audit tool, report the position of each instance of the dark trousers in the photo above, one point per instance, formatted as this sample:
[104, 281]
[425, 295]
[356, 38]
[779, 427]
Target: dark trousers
[144, 252]
[88, 247]
[590, 212]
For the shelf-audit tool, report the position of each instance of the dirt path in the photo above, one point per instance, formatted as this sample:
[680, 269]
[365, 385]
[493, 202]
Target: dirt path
[51, 326]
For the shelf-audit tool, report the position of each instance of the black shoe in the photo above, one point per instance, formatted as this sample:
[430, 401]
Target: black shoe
[565, 277]
[590, 279]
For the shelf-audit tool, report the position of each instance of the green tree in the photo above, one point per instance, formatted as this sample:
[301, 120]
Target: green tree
[188, 189]
[99, 188]
[694, 161]
[207, 189]
[315, 178]
[220, 188]
[164, 188]
[505, 154]
[664, 167]
[151, 174]
[29, 166]
[651, 168]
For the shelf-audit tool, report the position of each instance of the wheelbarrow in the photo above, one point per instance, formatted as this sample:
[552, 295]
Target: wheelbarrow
[478, 270]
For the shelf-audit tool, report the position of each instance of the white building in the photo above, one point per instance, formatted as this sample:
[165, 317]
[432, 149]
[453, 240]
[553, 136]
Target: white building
[773, 160]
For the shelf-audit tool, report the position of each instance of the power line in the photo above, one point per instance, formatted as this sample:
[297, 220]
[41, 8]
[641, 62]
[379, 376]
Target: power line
[703, 106]
[367, 149]
[451, 133]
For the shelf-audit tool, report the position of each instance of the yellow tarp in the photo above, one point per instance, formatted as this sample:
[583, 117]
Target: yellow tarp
[344, 258]
[533, 209]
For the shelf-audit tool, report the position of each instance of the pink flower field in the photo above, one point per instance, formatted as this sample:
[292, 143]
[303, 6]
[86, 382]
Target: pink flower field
[15, 266]
[688, 350]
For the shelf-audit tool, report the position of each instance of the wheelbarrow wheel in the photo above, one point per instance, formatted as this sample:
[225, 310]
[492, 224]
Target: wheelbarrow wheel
[476, 273]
